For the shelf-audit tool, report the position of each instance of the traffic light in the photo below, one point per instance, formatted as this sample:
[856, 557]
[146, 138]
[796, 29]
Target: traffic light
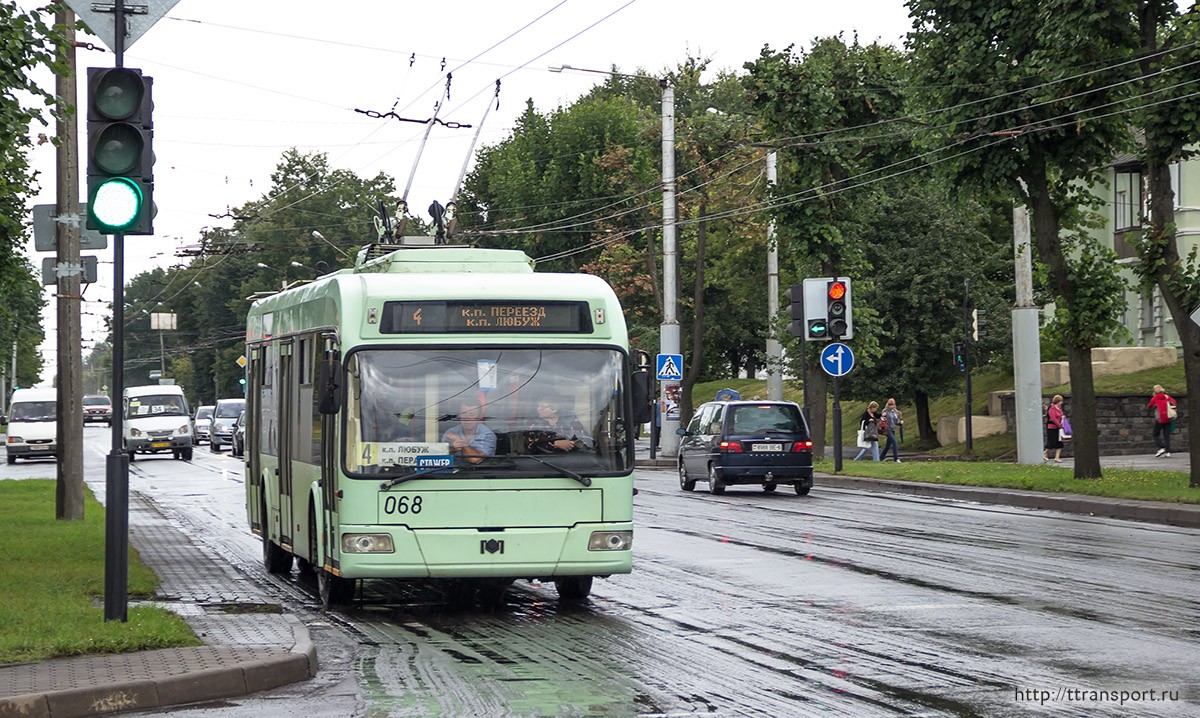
[978, 316]
[960, 355]
[795, 297]
[120, 153]
[837, 308]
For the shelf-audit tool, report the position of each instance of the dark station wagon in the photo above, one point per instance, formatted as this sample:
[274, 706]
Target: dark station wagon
[764, 443]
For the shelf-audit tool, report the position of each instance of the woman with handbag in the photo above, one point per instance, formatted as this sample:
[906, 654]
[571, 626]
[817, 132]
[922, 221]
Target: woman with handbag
[1054, 427]
[1164, 415]
[868, 432]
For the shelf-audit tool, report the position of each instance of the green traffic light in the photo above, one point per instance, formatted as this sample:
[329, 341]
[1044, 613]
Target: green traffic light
[116, 204]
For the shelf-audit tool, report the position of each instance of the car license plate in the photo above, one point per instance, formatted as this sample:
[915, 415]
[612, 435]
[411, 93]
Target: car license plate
[766, 447]
[160, 445]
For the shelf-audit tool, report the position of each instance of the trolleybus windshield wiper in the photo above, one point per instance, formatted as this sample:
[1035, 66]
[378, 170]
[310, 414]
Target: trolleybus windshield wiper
[562, 470]
[412, 475]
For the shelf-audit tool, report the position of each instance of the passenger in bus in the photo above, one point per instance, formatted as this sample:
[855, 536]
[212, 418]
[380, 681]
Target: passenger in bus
[555, 432]
[470, 439]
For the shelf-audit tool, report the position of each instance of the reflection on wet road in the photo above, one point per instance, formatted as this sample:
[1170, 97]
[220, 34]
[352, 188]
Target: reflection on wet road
[750, 604]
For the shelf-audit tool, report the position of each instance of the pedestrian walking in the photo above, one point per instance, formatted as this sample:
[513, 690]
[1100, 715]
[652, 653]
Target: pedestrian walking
[868, 432]
[893, 419]
[1054, 429]
[1164, 419]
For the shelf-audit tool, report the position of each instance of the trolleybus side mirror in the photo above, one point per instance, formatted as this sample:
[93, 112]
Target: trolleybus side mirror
[331, 387]
[641, 397]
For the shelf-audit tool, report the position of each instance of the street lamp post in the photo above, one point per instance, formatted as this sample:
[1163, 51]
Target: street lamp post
[669, 342]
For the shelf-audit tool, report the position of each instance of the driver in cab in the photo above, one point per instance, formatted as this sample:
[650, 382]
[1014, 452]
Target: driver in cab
[470, 440]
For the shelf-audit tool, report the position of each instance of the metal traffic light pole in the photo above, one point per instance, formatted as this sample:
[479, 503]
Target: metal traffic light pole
[116, 483]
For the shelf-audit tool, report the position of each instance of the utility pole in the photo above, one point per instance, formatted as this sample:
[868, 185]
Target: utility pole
[774, 349]
[967, 359]
[69, 271]
[1027, 350]
[669, 334]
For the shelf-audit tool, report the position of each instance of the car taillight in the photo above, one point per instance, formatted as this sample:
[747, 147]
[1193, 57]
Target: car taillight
[802, 446]
[731, 446]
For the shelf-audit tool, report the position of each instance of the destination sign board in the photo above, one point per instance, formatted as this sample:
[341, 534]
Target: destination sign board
[485, 316]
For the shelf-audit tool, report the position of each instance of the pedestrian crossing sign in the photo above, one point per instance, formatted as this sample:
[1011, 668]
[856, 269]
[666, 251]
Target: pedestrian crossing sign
[670, 367]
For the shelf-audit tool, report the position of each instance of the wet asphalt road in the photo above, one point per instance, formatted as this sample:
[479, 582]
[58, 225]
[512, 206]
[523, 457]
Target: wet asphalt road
[750, 604]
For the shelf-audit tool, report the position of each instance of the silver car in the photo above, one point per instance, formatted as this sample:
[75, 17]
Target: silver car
[202, 423]
[225, 415]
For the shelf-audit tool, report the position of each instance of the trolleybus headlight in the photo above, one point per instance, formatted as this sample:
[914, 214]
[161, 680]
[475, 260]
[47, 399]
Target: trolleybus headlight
[611, 541]
[367, 543]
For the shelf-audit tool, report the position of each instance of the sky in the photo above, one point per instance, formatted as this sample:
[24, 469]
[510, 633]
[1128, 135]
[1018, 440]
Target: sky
[238, 83]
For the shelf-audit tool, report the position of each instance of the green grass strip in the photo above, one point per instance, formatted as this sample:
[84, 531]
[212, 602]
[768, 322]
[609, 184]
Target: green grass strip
[1116, 483]
[52, 590]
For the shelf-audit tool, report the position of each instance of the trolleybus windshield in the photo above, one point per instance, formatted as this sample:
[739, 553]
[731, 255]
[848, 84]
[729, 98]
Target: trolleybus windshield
[486, 412]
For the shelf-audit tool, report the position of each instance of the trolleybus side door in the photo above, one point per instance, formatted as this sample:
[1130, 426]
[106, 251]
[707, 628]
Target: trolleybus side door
[287, 393]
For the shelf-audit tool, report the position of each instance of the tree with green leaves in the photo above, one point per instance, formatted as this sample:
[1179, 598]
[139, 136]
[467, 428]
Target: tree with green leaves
[28, 44]
[827, 107]
[1168, 45]
[1021, 103]
[924, 246]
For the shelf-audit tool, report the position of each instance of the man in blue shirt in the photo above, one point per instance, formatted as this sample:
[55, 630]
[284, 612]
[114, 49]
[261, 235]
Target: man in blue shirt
[470, 439]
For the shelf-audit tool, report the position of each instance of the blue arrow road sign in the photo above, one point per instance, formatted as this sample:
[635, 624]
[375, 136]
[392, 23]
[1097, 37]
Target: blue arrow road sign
[670, 367]
[837, 359]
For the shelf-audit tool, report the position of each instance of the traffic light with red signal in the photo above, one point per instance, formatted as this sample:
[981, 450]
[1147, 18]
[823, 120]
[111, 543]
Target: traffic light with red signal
[120, 152]
[837, 308]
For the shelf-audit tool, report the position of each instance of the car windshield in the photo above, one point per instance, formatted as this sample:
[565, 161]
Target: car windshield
[415, 408]
[97, 401]
[205, 412]
[766, 419]
[230, 410]
[155, 405]
[34, 411]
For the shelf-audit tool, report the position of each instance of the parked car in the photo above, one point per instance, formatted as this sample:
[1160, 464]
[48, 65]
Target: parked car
[202, 423]
[32, 424]
[225, 415]
[157, 420]
[97, 408]
[238, 447]
[765, 443]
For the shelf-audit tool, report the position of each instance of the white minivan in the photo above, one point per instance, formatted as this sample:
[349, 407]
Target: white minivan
[32, 424]
[157, 419]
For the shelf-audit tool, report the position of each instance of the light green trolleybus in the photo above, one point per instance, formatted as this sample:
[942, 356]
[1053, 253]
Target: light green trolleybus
[443, 413]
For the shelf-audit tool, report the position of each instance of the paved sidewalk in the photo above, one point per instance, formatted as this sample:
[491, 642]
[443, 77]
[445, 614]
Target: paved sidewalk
[250, 645]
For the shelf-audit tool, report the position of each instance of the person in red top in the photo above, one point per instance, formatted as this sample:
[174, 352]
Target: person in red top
[1162, 421]
[1054, 425]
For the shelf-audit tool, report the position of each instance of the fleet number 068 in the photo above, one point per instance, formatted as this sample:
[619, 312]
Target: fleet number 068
[402, 505]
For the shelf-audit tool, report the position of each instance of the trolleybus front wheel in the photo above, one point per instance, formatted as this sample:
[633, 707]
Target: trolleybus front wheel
[275, 559]
[573, 588]
[333, 590]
